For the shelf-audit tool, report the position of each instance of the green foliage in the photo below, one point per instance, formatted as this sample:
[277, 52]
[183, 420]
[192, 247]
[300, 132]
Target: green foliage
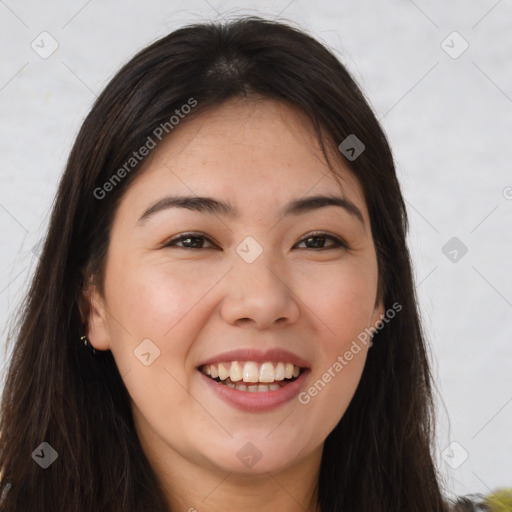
[500, 500]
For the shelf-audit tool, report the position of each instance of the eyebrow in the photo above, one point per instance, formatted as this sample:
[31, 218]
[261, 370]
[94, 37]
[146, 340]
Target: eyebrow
[212, 206]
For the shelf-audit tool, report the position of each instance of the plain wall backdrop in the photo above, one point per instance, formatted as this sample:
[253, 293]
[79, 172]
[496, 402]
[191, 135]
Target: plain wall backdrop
[439, 78]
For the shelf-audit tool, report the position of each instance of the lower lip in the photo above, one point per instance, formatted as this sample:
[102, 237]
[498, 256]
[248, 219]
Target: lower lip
[257, 401]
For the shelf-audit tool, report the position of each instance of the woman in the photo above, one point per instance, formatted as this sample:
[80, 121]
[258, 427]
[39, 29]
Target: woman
[223, 315]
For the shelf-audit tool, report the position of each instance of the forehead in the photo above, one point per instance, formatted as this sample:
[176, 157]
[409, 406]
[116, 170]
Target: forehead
[250, 152]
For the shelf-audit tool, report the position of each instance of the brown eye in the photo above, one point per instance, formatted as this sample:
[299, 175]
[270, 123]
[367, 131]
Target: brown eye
[317, 241]
[189, 241]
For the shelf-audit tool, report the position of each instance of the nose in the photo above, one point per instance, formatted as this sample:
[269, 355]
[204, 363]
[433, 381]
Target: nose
[257, 294]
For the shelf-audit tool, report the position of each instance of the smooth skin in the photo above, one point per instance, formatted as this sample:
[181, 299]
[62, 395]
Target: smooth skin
[199, 298]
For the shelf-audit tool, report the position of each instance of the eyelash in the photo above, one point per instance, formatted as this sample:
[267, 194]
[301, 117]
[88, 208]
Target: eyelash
[338, 243]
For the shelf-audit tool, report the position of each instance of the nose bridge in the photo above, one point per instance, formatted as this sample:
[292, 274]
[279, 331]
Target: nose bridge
[260, 276]
[257, 288]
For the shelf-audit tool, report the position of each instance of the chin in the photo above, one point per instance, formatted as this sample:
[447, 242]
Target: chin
[256, 458]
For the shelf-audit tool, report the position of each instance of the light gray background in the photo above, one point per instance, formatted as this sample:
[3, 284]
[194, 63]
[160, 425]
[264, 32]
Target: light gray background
[449, 122]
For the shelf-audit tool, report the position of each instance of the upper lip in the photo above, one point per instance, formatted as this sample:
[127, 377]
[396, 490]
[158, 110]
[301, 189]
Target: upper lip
[248, 354]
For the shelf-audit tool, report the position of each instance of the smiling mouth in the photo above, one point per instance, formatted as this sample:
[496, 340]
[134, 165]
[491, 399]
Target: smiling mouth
[253, 377]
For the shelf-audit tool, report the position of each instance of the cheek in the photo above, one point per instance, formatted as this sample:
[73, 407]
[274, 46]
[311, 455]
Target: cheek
[153, 300]
[343, 299]
[163, 305]
[342, 302]
[166, 307]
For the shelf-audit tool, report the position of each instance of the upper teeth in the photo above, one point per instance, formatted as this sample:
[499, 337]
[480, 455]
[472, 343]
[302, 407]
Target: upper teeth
[249, 371]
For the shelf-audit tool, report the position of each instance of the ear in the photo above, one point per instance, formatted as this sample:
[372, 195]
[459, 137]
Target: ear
[378, 312]
[98, 332]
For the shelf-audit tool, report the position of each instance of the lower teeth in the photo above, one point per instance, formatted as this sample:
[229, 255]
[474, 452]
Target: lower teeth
[253, 388]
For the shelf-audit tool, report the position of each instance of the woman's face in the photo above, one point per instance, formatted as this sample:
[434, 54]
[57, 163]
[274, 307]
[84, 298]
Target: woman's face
[250, 291]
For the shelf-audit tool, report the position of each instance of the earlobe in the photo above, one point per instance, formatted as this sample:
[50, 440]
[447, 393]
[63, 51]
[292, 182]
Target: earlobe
[378, 314]
[97, 330]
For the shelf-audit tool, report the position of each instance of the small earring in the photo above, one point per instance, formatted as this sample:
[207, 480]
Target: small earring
[87, 343]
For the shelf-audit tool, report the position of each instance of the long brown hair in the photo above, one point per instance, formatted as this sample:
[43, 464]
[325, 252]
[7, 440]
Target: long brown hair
[378, 458]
